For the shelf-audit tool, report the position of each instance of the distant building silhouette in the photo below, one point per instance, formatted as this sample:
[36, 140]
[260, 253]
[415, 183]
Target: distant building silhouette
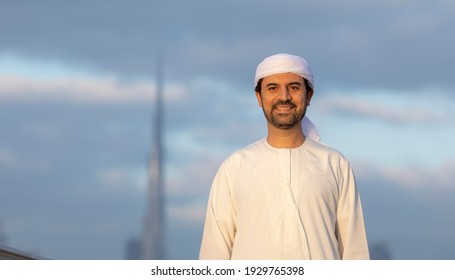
[134, 249]
[151, 245]
[380, 251]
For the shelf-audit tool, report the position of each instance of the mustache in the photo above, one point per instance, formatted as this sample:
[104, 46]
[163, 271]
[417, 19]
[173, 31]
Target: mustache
[287, 102]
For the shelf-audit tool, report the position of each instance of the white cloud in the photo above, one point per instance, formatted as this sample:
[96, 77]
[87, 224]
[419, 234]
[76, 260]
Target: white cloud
[389, 108]
[80, 90]
[412, 177]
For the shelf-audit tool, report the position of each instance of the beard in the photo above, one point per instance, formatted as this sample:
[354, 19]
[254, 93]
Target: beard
[284, 121]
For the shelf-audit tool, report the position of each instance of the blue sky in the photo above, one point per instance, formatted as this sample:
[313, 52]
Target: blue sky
[77, 93]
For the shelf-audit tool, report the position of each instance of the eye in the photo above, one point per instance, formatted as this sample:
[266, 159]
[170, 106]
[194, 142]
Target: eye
[295, 87]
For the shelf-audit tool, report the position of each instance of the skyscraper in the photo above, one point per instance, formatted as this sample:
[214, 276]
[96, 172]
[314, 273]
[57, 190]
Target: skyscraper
[152, 243]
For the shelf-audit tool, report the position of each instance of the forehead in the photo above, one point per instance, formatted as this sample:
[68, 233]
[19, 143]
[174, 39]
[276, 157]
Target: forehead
[284, 78]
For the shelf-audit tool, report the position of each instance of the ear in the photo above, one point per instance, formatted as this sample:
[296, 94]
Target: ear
[308, 97]
[259, 97]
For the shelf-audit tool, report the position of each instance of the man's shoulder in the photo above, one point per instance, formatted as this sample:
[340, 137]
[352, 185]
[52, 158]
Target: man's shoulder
[324, 150]
[252, 148]
[246, 152]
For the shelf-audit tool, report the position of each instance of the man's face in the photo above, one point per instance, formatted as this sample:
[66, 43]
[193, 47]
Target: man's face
[284, 99]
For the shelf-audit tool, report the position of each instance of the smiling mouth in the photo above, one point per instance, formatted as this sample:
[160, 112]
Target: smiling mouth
[283, 108]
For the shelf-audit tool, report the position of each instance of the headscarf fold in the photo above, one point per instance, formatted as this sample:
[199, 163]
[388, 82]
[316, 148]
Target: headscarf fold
[309, 129]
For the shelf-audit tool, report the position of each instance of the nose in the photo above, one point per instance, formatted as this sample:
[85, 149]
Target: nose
[284, 93]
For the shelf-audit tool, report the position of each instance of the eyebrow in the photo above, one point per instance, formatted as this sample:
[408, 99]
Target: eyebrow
[290, 84]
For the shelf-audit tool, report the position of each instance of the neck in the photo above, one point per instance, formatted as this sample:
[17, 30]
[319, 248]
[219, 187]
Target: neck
[289, 138]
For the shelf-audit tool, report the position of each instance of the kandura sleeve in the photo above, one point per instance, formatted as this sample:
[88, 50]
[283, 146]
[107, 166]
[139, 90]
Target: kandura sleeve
[220, 225]
[352, 240]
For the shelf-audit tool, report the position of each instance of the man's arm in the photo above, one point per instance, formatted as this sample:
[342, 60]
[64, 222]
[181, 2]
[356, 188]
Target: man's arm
[352, 240]
[220, 226]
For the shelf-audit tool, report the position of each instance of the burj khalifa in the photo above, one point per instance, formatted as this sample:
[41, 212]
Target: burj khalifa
[152, 243]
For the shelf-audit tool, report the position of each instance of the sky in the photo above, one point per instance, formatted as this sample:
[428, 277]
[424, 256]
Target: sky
[77, 93]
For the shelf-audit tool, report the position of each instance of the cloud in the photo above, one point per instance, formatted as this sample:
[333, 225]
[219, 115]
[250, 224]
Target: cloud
[79, 90]
[387, 110]
[403, 44]
[412, 177]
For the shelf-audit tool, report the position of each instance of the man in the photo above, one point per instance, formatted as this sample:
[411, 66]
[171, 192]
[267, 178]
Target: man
[286, 196]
